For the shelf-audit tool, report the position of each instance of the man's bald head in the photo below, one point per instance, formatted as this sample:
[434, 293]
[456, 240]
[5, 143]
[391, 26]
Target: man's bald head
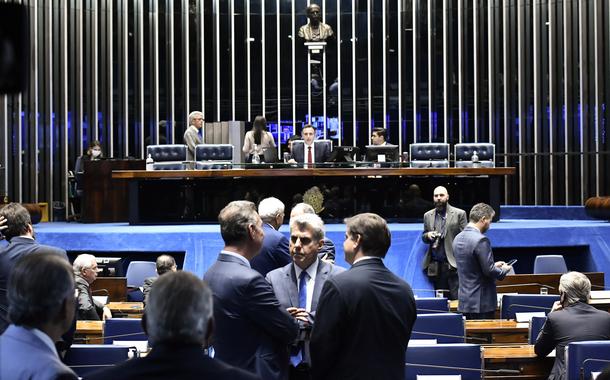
[441, 197]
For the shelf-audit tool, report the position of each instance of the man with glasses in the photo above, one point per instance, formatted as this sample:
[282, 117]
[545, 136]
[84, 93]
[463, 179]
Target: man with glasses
[85, 272]
[191, 135]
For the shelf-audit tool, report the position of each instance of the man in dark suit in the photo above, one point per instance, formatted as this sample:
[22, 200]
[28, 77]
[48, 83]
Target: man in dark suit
[20, 234]
[476, 268]
[41, 309]
[85, 273]
[164, 264]
[310, 152]
[298, 285]
[253, 330]
[178, 328]
[365, 315]
[572, 319]
[441, 225]
[274, 253]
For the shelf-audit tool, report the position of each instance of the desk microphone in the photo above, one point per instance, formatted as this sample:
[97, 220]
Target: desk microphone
[526, 284]
[450, 336]
[108, 337]
[500, 371]
[582, 367]
[530, 306]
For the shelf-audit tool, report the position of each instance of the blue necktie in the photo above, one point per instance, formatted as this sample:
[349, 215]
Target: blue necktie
[297, 353]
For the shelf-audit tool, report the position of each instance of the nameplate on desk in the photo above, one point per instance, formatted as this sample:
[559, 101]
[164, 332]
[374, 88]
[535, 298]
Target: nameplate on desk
[600, 294]
[101, 299]
[526, 317]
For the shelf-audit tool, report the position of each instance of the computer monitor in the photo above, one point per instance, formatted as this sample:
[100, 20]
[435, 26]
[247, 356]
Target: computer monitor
[110, 266]
[343, 153]
[389, 151]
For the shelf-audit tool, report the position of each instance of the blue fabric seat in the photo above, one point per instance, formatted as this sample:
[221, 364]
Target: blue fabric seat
[138, 271]
[429, 305]
[550, 264]
[123, 329]
[536, 324]
[461, 355]
[582, 358]
[435, 326]
[463, 154]
[429, 155]
[214, 156]
[85, 359]
[526, 303]
[168, 156]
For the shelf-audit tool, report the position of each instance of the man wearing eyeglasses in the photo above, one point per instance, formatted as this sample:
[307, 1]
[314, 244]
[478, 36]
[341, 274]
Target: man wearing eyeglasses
[85, 272]
[298, 285]
[191, 135]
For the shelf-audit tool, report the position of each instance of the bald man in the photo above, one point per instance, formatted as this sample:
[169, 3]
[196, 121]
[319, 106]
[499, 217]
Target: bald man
[441, 225]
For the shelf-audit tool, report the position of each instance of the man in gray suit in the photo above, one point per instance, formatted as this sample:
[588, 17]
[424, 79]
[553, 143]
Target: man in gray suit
[476, 268]
[441, 225]
[191, 135]
[298, 285]
[572, 319]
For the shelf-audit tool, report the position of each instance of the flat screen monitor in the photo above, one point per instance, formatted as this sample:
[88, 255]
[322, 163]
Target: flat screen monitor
[373, 153]
[343, 154]
[110, 266]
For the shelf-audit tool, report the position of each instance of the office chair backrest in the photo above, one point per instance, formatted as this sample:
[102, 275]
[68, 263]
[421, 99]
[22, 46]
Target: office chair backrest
[455, 355]
[550, 264]
[138, 271]
[435, 155]
[429, 305]
[582, 358]
[526, 303]
[444, 327]
[88, 358]
[485, 152]
[536, 324]
[214, 152]
[168, 156]
[122, 329]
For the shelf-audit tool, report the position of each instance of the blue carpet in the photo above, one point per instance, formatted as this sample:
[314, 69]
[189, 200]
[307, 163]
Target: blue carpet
[544, 212]
[586, 242]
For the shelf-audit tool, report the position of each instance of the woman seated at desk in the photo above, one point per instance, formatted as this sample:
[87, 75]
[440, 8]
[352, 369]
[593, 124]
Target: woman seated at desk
[93, 153]
[258, 138]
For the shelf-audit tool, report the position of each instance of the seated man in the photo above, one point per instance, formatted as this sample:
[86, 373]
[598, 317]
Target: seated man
[165, 264]
[311, 153]
[178, 328]
[572, 319]
[378, 136]
[85, 272]
[41, 309]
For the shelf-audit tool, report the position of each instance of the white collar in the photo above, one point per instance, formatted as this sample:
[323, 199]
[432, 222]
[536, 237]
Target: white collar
[367, 258]
[236, 255]
[312, 270]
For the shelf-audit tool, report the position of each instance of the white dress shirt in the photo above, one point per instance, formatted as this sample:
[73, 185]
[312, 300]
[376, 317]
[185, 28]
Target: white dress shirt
[237, 255]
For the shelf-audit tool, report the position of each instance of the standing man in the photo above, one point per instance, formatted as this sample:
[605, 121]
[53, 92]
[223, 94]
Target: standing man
[441, 226]
[191, 135]
[379, 136]
[298, 285]
[85, 272]
[274, 253]
[476, 268]
[365, 315]
[310, 153]
[253, 330]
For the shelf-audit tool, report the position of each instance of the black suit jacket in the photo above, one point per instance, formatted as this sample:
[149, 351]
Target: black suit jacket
[321, 153]
[185, 362]
[274, 253]
[253, 331]
[363, 324]
[577, 322]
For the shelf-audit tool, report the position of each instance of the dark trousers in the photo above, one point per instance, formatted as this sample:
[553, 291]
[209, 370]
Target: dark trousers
[487, 315]
[447, 278]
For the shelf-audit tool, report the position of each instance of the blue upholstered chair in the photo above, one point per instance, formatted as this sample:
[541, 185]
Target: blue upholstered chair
[582, 358]
[550, 264]
[429, 155]
[435, 326]
[138, 271]
[422, 359]
[526, 303]
[87, 358]
[214, 156]
[536, 324]
[168, 156]
[485, 151]
[121, 329]
[430, 305]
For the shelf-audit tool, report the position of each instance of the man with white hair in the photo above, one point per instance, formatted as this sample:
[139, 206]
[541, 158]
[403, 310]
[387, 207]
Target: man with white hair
[178, 329]
[571, 319]
[191, 135]
[274, 253]
[327, 251]
[85, 272]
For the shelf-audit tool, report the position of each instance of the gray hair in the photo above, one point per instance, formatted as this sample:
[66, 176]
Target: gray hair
[179, 309]
[82, 262]
[17, 220]
[38, 286]
[193, 114]
[164, 264]
[576, 287]
[310, 222]
[270, 208]
[301, 208]
[480, 211]
[234, 220]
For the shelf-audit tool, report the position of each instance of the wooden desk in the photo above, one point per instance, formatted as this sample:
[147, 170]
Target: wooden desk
[115, 287]
[497, 331]
[89, 332]
[126, 309]
[522, 358]
[531, 283]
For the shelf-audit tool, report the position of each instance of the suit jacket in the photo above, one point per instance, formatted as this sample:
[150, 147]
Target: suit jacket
[476, 271]
[191, 140]
[23, 355]
[165, 361]
[455, 222]
[321, 153]
[147, 286]
[18, 247]
[274, 253]
[253, 331]
[327, 251]
[577, 322]
[88, 308]
[363, 324]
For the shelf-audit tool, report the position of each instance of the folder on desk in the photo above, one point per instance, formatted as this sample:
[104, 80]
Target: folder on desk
[526, 317]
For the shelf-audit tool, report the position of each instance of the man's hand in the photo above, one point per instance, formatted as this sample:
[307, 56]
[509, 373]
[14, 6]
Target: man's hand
[299, 314]
[500, 264]
[431, 235]
[106, 314]
[556, 306]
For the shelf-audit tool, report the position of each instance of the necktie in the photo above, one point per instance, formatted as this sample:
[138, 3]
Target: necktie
[296, 356]
[309, 158]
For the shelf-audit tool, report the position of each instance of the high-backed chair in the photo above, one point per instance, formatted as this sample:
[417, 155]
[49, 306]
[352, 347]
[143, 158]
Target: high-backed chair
[526, 303]
[430, 305]
[138, 271]
[439, 327]
[298, 144]
[536, 324]
[87, 358]
[122, 329]
[168, 156]
[485, 151]
[582, 358]
[429, 155]
[426, 360]
[214, 156]
[550, 264]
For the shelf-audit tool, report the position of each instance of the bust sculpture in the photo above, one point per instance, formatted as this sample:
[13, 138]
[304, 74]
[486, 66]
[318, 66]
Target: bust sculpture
[315, 30]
